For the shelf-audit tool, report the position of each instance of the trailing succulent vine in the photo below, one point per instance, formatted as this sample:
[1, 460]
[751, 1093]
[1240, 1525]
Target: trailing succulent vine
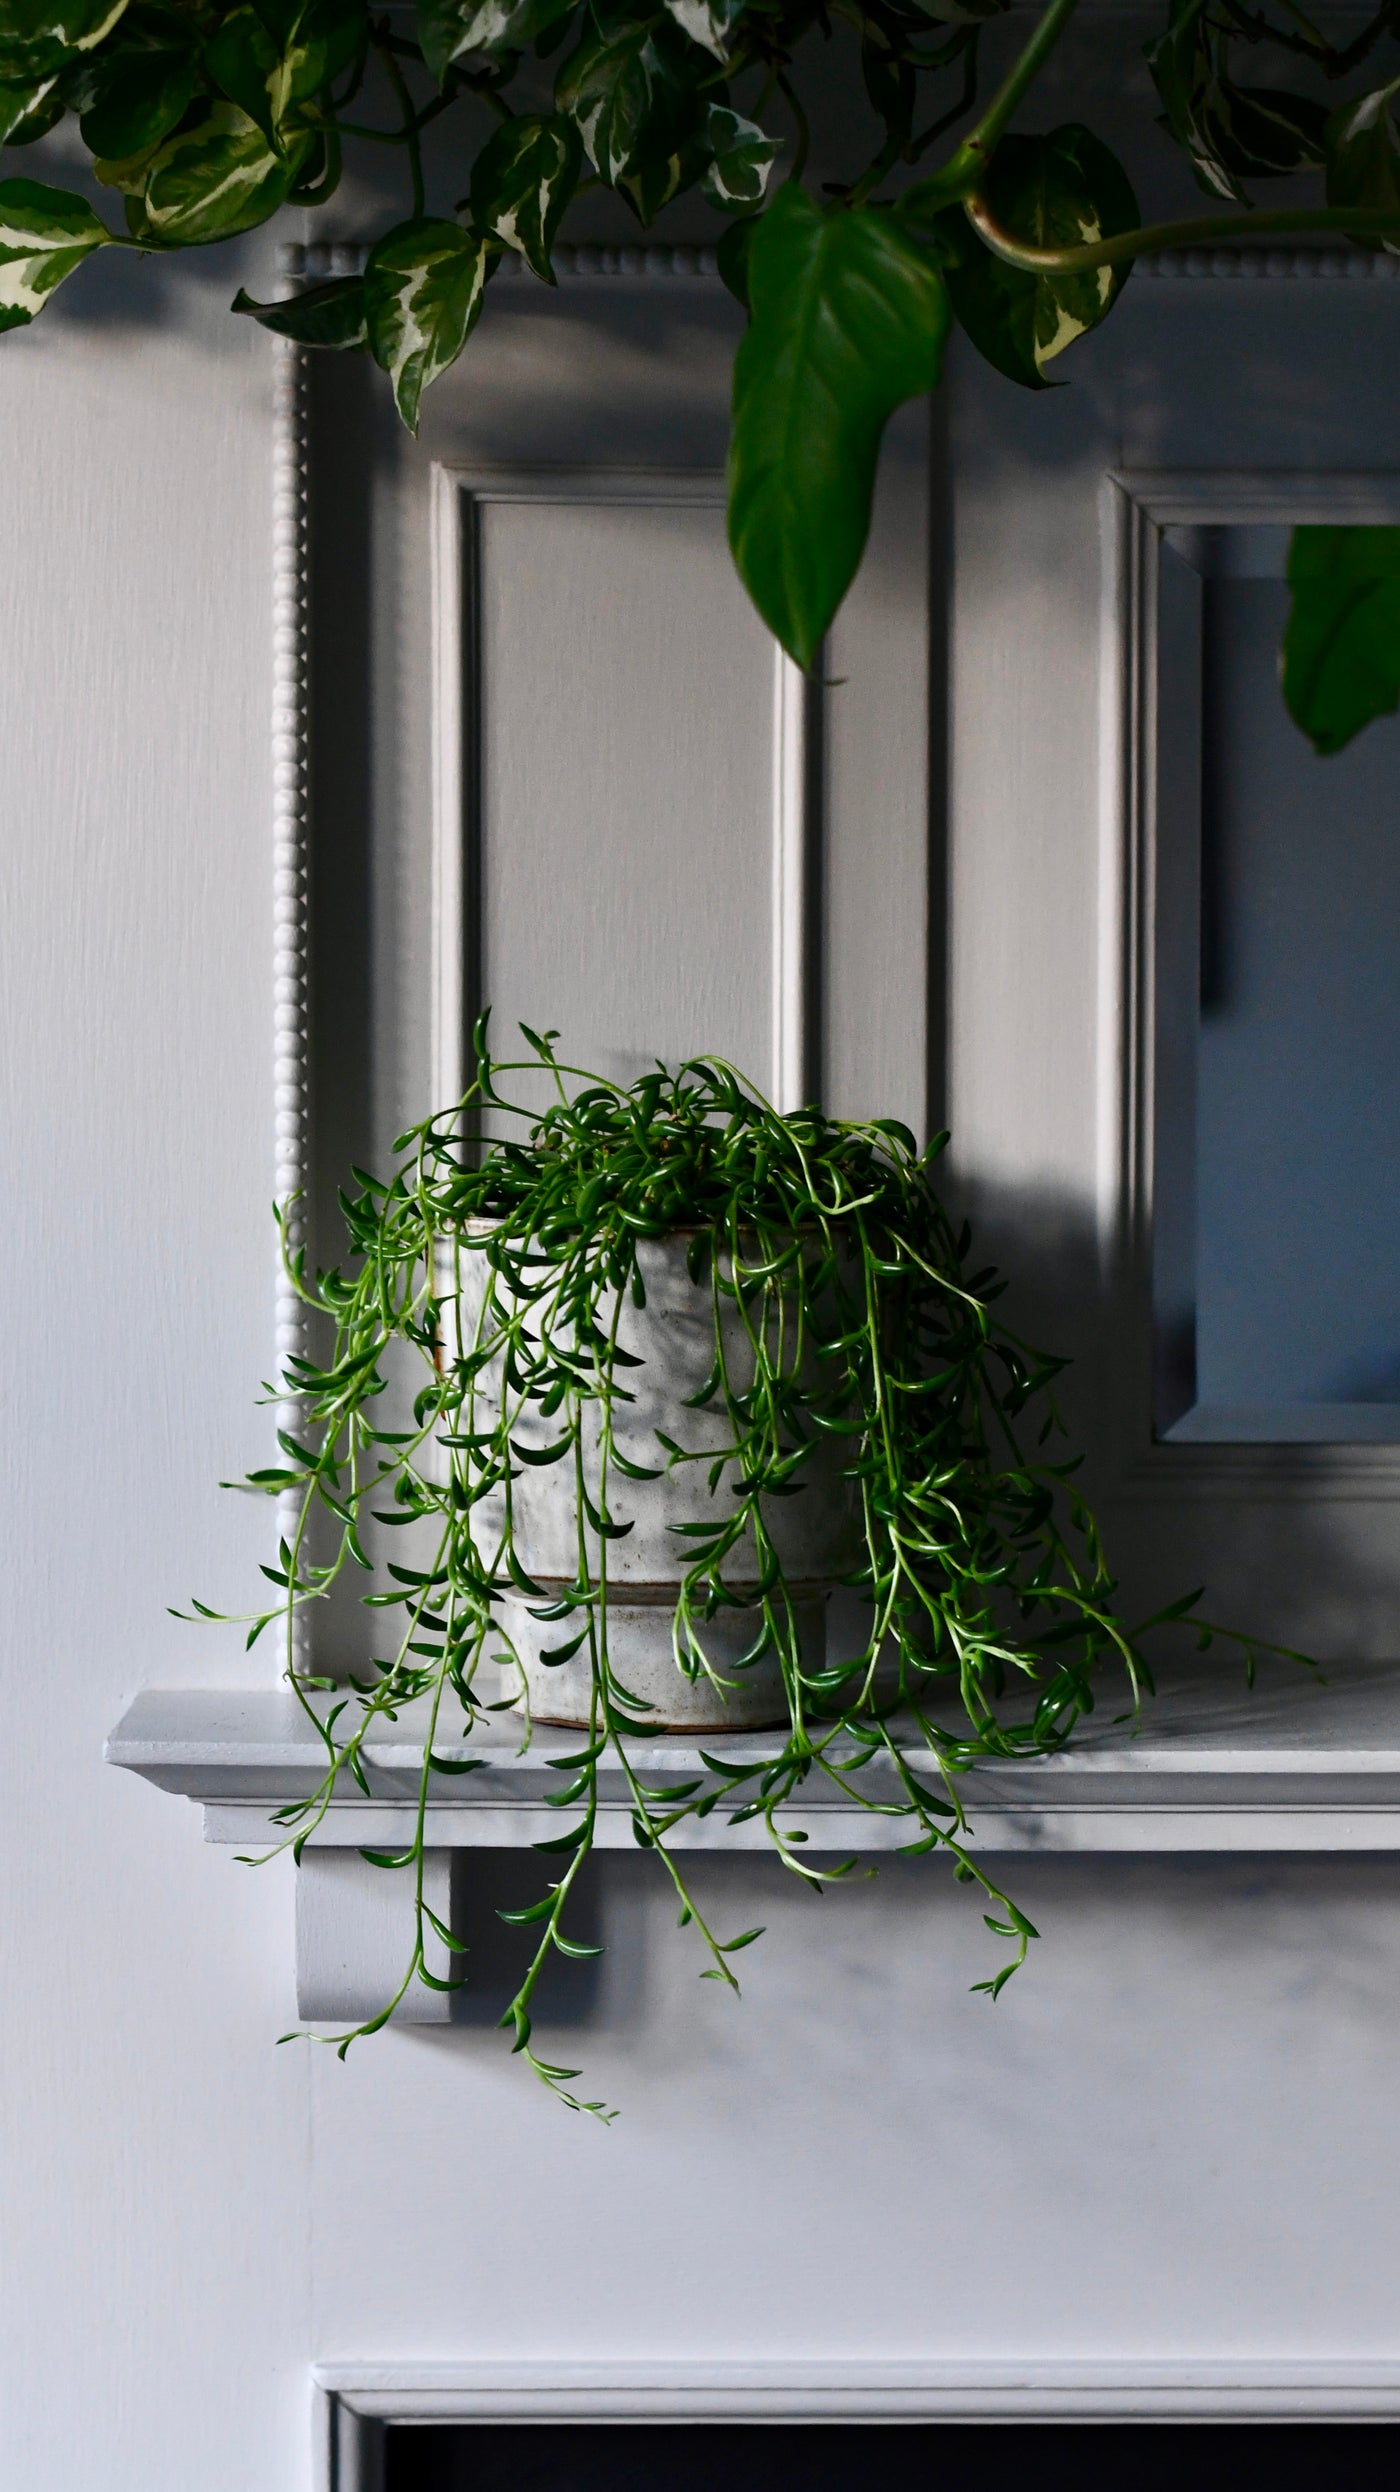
[204, 120]
[479, 1314]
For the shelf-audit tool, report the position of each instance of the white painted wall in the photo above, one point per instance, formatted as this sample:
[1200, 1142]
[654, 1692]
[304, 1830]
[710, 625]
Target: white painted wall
[153, 2191]
[1174, 2136]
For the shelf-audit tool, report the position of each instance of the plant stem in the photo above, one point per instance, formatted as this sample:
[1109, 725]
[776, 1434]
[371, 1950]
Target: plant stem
[793, 102]
[966, 167]
[920, 145]
[410, 123]
[1183, 234]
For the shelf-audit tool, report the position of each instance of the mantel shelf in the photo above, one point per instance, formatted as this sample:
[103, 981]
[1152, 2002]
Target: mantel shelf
[1212, 1766]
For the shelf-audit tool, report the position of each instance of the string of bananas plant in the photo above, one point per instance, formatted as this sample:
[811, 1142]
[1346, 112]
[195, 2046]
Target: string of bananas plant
[204, 120]
[495, 1277]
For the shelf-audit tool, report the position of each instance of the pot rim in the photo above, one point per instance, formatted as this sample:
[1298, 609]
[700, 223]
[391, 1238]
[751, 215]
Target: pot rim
[477, 1224]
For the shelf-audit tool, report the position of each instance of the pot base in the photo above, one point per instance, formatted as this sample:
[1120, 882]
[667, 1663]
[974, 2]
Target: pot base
[642, 1663]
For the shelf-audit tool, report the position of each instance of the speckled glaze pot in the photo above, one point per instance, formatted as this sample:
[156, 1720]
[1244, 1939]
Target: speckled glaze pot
[814, 1531]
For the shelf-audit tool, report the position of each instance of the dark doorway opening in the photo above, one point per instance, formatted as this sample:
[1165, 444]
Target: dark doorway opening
[869, 2457]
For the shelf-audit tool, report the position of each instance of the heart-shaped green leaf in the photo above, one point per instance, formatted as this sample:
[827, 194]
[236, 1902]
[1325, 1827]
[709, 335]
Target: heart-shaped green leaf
[424, 284]
[328, 315]
[523, 180]
[1051, 192]
[848, 319]
[1341, 649]
[44, 235]
[220, 176]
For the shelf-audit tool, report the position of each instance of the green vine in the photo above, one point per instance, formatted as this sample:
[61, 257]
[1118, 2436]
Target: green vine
[848, 1334]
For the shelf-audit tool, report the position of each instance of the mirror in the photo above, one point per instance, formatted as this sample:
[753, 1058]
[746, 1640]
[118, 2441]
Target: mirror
[1276, 1089]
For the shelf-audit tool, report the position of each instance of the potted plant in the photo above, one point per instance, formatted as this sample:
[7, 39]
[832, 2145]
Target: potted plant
[677, 1363]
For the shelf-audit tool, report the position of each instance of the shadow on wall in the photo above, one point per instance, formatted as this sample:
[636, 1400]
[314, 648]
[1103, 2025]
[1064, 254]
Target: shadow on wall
[1283, 1546]
[867, 1988]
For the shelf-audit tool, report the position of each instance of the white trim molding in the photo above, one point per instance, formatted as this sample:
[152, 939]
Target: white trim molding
[290, 836]
[796, 727]
[357, 2402]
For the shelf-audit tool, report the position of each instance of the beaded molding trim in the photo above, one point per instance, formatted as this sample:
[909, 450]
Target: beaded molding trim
[290, 923]
[1257, 261]
[319, 261]
[315, 262]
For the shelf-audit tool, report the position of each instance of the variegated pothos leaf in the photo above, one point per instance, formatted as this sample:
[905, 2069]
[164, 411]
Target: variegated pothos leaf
[267, 75]
[218, 177]
[1230, 133]
[606, 87]
[449, 29]
[21, 104]
[37, 36]
[424, 283]
[1363, 155]
[708, 22]
[742, 155]
[327, 315]
[245, 63]
[138, 88]
[1057, 191]
[523, 180]
[44, 235]
[634, 88]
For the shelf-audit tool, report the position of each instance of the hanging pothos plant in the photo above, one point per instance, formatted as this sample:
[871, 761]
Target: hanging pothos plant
[206, 119]
[478, 1375]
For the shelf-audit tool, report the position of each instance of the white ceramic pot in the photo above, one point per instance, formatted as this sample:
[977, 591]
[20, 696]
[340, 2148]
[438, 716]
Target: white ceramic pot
[814, 1531]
